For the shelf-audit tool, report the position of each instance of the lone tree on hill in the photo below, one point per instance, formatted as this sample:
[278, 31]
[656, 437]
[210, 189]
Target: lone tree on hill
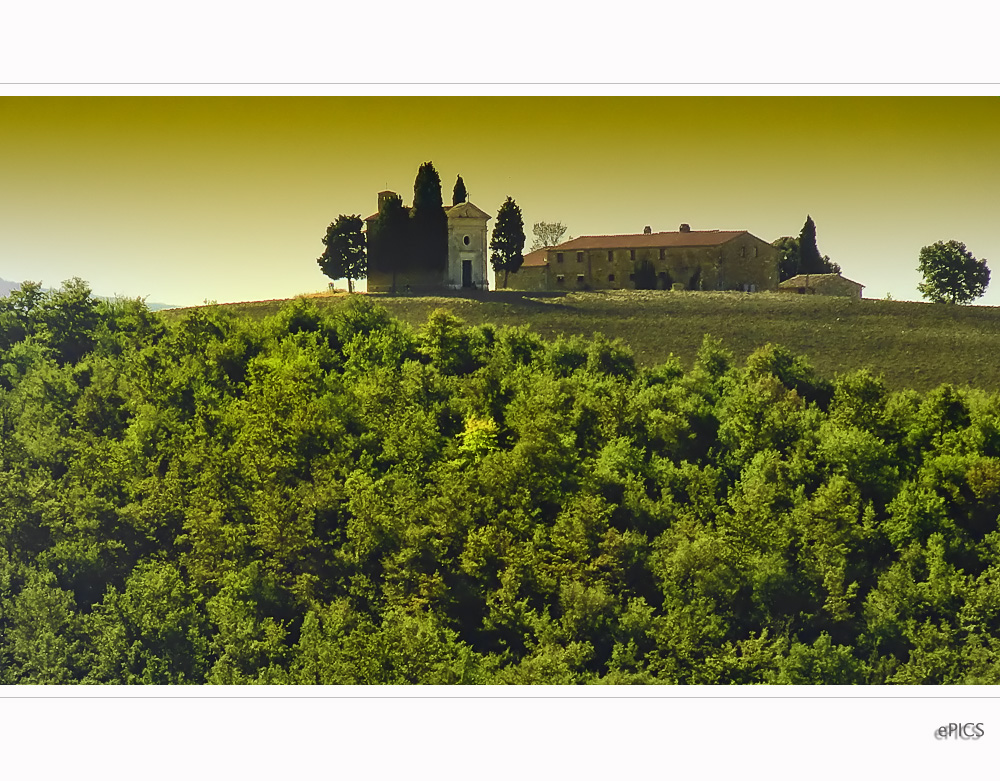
[459, 194]
[429, 223]
[547, 234]
[951, 273]
[388, 238]
[507, 242]
[344, 256]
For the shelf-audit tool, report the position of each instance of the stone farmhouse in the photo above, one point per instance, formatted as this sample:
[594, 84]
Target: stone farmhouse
[822, 284]
[680, 260]
[466, 267]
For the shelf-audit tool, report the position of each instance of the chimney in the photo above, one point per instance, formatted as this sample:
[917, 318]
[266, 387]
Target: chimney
[647, 230]
[685, 228]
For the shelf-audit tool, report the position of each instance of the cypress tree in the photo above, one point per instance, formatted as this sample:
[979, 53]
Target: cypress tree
[810, 260]
[459, 194]
[428, 222]
[507, 242]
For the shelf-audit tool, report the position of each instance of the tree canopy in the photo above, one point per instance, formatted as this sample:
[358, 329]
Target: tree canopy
[507, 241]
[951, 273]
[789, 260]
[328, 496]
[547, 234]
[344, 256]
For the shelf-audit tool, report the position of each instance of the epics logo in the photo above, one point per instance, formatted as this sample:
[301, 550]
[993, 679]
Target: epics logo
[967, 731]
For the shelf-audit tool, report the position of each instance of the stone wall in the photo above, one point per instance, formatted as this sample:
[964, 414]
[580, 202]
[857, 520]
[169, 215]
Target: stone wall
[528, 278]
[406, 281]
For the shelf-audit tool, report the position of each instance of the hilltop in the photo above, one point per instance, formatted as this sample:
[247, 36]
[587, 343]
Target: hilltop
[915, 345]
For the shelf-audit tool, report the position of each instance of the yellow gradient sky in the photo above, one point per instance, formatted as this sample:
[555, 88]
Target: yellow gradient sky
[187, 199]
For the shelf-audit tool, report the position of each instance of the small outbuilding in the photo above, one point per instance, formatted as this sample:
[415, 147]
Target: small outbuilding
[822, 285]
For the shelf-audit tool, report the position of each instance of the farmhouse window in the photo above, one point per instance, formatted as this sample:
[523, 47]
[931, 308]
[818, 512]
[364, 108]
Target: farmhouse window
[631, 254]
[631, 277]
[611, 255]
[579, 279]
[559, 257]
[743, 251]
[560, 278]
[756, 251]
[579, 257]
[611, 277]
[663, 254]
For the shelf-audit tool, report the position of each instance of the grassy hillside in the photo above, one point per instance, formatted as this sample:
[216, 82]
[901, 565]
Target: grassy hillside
[915, 345]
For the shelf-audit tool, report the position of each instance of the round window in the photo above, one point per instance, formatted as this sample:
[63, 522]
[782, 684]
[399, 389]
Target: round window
[466, 240]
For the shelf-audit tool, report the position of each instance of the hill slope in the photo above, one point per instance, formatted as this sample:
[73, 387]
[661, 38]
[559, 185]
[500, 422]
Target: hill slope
[915, 345]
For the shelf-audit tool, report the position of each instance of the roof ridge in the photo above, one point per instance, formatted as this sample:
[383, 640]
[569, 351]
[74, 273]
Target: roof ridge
[654, 233]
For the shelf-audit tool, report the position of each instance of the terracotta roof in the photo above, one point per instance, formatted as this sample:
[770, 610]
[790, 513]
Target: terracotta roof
[536, 258]
[640, 240]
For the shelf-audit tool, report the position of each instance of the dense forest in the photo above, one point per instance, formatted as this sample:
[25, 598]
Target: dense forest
[326, 498]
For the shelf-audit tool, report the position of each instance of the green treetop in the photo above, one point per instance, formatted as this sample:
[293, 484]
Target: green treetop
[951, 273]
[547, 234]
[344, 256]
[507, 242]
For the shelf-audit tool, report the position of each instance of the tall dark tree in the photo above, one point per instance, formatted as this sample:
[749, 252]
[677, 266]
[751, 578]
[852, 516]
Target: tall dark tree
[344, 256]
[507, 242]
[429, 223]
[810, 259]
[389, 238]
[809, 256]
[951, 273]
[459, 194]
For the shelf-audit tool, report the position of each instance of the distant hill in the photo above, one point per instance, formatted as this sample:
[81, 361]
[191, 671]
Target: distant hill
[7, 287]
[915, 345]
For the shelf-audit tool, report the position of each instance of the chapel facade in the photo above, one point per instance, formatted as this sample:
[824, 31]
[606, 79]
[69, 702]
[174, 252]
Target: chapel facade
[467, 254]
